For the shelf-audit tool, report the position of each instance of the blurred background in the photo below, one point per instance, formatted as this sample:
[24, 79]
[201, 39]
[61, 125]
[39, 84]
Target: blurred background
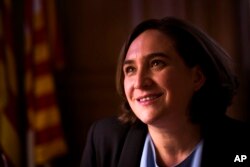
[58, 60]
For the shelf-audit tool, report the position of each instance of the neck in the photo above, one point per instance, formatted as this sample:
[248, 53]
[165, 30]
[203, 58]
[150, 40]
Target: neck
[174, 144]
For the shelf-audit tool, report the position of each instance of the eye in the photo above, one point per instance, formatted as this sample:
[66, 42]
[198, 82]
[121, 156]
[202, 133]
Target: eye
[157, 63]
[128, 70]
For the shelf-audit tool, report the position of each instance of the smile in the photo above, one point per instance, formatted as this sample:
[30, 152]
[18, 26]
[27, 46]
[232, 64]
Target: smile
[148, 98]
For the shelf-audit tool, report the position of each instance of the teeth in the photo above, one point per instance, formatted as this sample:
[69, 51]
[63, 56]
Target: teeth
[147, 98]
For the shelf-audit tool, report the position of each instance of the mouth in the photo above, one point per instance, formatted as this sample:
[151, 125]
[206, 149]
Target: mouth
[149, 98]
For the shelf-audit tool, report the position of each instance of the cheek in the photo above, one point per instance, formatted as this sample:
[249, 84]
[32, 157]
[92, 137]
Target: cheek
[127, 87]
[179, 86]
[166, 79]
[173, 83]
[173, 78]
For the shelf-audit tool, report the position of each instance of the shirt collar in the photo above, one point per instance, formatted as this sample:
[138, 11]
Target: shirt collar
[148, 158]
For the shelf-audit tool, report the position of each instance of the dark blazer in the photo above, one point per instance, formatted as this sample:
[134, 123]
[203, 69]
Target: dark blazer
[113, 144]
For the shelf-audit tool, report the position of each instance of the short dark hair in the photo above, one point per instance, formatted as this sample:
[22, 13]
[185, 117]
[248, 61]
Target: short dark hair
[195, 48]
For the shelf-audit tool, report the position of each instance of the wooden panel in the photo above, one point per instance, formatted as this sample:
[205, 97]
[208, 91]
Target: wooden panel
[94, 33]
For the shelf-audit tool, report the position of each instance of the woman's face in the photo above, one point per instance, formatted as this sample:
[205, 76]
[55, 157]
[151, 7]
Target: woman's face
[157, 83]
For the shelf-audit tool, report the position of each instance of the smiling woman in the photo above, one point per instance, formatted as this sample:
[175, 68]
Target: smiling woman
[176, 84]
[160, 86]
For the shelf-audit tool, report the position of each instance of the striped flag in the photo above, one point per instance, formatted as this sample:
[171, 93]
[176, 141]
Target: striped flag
[9, 136]
[45, 135]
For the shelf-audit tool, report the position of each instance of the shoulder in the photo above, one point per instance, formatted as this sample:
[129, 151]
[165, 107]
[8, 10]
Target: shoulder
[235, 127]
[226, 126]
[225, 139]
[112, 125]
[228, 134]
[109, 126]
[231, 134]
[112, 133]
[108, 138]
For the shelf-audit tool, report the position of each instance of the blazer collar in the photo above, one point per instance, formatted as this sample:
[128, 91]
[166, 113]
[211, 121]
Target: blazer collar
[133, 146]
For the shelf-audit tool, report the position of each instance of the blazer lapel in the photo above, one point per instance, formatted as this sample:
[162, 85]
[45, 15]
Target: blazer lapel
[133, 146]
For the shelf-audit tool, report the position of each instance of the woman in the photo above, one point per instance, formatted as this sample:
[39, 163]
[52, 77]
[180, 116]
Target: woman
[176, 84]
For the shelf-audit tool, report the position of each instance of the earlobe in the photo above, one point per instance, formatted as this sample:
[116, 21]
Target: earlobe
[199, 78]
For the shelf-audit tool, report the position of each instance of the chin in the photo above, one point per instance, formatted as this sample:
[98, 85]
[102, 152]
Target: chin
[148, 119]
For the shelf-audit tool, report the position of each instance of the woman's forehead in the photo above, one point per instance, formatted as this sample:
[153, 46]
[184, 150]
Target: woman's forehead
[148, 42]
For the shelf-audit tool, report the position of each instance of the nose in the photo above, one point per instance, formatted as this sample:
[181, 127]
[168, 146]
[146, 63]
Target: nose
[142, 79]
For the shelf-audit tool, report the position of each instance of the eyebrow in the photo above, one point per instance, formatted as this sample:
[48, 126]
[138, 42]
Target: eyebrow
[149, 56]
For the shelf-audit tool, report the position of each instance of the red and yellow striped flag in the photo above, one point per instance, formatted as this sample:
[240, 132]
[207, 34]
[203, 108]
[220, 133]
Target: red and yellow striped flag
[9, 136]
[43, 112]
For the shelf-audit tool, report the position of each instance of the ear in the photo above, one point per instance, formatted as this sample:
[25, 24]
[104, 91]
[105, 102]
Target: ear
[199, 78]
